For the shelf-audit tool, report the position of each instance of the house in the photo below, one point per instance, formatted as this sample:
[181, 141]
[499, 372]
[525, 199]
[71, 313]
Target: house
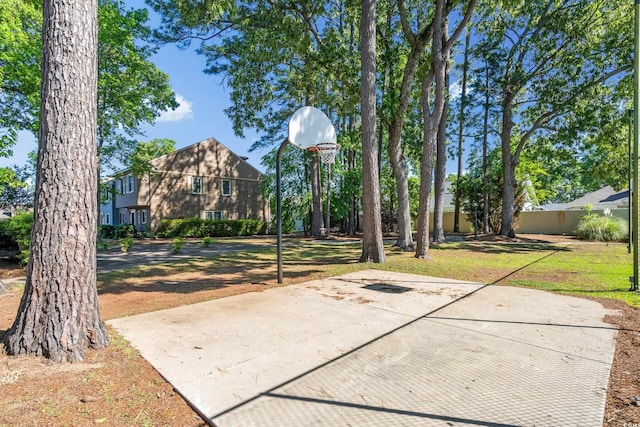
[204, 180]
[604, 198]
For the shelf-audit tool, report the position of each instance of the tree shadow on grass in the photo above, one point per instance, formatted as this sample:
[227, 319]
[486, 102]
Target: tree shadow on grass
[500, 248]
[215, 273]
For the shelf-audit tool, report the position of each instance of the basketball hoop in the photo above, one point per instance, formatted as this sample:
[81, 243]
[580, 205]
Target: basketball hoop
[328, 151]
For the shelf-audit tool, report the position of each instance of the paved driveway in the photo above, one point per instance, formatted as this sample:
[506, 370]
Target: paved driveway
[379, 349]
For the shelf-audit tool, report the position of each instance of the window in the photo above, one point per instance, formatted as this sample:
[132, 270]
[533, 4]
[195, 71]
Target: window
[143, 217]
[214, 215]
[107, 193]
[130, 184]
[107, 219]
[123, 218]
[226, 187]
[196, 184]
[121, 186]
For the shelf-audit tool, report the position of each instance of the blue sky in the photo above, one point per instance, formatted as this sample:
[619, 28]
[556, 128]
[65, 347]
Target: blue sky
[202, 98]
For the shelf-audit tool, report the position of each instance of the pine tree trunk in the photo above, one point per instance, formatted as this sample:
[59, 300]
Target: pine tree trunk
[58, 317]
[431, 121]
[441, 156]
[462, 118]
[372, 244]
[507, 222]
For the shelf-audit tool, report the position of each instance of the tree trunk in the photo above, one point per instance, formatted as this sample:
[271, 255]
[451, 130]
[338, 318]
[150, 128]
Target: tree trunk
[317, 220]
[441, 154]
[485, 149]
[401, 175]
[508, 171]
[462, 119]
[435, 77]
[58, 317]
[372, 244]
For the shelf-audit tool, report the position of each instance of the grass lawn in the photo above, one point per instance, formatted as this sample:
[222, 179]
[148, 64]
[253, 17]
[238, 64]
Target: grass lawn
[597, 270]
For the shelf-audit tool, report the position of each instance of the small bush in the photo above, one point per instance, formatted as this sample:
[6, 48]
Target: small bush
[106, 231]
[124, 230]
[196, 227]
[206, 241]
[177, 244]
[602, 228]
[16, 232]
[126, 243]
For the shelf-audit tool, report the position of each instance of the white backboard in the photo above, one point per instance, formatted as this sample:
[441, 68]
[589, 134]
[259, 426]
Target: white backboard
[309, 126]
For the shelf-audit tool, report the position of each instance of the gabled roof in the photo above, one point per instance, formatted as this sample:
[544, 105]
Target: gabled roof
[190, 147]
[605, 197]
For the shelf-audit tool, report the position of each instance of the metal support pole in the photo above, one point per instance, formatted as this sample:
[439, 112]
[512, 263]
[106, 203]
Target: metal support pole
[630, 167]
[636, 139]
[328, 215]
[279, 207]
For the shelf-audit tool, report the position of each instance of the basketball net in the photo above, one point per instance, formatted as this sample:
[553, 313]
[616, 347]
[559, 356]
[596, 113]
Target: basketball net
[328, 151]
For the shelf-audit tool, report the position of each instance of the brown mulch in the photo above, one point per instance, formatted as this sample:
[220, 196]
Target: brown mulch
[117, 387]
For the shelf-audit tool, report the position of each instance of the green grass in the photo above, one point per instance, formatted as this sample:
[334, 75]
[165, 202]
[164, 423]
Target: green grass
[596, 270]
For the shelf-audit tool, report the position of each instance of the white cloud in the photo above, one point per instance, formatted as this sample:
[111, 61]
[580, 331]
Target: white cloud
[182, 112]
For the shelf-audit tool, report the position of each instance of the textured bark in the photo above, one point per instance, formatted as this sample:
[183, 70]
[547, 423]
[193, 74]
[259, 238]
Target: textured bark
[431, 118]
[441, 156]
[485, 149]
[462, 117]
[508, 170]
[317, 221]
[372, 244]
[58, 317]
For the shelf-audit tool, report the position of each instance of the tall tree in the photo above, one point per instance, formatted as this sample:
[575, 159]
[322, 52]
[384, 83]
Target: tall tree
[440, 175]
[58, 317]
[433, 104]
[461, 125]
[404, 65]
[549, 57]
[372, 244]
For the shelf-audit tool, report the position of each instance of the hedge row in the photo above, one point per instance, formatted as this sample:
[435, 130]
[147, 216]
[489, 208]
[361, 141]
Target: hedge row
[196, 227]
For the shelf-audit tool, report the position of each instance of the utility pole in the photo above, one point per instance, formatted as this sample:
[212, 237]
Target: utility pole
[636, 138]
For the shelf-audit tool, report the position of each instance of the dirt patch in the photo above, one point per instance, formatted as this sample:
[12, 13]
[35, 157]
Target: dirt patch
[623, 392]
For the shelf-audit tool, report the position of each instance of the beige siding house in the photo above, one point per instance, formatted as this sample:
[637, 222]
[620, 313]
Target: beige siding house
[204, 180]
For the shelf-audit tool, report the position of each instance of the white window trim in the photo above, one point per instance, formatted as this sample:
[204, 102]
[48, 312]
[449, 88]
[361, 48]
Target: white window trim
[131, 184]
[213, 215]
[230, 187]
[107, 219]
[143, 216]
[195, 178]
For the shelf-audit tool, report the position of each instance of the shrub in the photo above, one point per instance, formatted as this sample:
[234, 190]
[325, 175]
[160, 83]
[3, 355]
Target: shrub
[206, 241]
[126, 243]
[601, 228]
[177, 244]
[16, 232]
[124, 230]
[106, 231]
[196, 227]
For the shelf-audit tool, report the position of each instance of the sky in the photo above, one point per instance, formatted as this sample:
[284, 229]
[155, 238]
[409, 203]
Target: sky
[200, 115]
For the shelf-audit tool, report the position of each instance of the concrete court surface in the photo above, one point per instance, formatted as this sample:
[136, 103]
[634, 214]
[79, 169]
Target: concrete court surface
[375, 348]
